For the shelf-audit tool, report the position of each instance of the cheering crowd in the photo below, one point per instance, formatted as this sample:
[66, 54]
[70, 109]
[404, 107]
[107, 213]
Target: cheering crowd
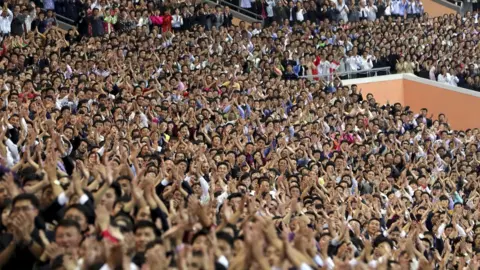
[146, 139]
[347, 36]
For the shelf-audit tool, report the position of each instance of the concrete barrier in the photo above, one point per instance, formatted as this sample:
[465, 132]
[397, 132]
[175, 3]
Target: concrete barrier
[461, 106]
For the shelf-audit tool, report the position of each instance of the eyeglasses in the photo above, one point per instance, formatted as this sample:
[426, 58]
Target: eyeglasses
[22, 208]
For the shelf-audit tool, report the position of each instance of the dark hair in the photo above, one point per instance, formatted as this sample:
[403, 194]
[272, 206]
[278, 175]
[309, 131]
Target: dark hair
[146, 224]
[225, 237]
[203, 232]
[117, 189]
[154, 243]
[234, 195]
[27, 197]
[68, 223]
[87, 212]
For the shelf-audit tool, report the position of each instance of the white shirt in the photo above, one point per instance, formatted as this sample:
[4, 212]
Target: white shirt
[269, 9]
[365, 63]
[256, 31]
[5, 22]
[444, 78]
[132, 267]
[29, 19]
[371, 12]
[394, 7]
[352, 63]
[323, 67]
[177, 21]
[364, 12]
[299, 15]
[453, 80]
[343, 10]
[388, 10]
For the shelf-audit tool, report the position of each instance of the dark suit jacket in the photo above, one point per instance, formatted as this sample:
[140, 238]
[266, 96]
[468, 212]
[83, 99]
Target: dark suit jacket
[227, 20]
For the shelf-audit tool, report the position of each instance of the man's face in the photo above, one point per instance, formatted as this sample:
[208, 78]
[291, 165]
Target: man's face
[143, 236]
[235, 203]
[26, 207]
[82, 148]
[444, 203]
[225, 248]
[223, 170]
[14, 121]
[373, 226]
[68, 237]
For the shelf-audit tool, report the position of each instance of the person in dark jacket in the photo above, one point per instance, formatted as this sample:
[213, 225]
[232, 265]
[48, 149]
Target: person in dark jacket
[292, 13]
[280, 12]
[17, 22]
[72, 9]
[227, 17]
[380, 61]
[96, 21]
[40, 23]
[289, 74]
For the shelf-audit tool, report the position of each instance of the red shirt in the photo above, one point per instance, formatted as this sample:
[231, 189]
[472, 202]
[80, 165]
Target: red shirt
[167, 23]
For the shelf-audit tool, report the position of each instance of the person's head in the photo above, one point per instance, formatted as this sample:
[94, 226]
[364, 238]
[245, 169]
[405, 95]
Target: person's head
[27, 204]
[200, 239]
[235, 200]
[145, 232]
[78, 213]
[126, 185]
[4, 194]
[112, 194]
[444, 201]
[225, 244]
[382, 246]
[373, 226]
[68, 234]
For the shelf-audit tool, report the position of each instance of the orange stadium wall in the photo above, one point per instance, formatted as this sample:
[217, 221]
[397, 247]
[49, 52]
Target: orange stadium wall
[461, 106]
[435, 9]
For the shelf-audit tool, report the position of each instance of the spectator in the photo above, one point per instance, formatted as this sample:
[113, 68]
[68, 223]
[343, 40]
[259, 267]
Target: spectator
[371, 10]
[50, 19]
[227, 17]
[110, 19]
[246, 4]
[40, 24]
[96, 23]
[17, 23]
[219, 18]
[342, 11]
[281, 12]
[147, 149]
[6, 20]
[269, 9]
[299, 13]
[177, 20]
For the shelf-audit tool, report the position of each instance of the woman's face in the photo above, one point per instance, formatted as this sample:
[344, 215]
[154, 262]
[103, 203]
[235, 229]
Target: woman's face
[92, 158]
[108, 199]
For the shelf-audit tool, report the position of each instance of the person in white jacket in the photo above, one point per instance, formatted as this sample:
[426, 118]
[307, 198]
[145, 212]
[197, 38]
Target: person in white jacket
[388, 8]
[177, 20]
[342, 11]
[447, 78]
[6, 20]
[365, 62]
[453, 79]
